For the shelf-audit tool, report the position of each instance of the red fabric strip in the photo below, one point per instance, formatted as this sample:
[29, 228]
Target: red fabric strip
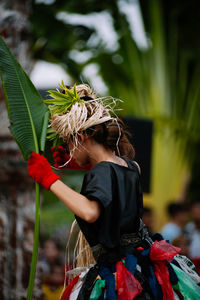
[128, 287]
[161, 253]
[69, 288]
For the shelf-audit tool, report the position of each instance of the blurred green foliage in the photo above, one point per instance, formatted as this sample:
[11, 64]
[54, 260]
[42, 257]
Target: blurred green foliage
[158, 82]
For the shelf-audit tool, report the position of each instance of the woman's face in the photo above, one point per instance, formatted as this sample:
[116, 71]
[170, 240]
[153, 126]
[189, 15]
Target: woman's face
[79, 153]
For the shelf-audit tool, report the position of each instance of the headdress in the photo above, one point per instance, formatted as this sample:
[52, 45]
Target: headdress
[72, 112]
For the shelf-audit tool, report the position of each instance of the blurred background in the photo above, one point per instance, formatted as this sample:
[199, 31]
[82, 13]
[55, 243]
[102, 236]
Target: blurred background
[146, 53]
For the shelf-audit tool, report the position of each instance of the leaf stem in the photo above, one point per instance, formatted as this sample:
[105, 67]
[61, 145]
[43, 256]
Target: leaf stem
[35, 244]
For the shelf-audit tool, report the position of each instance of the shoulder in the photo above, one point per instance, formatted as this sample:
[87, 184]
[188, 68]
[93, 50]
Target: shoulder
[98, 184]
[190, 227]
[132, 164]
[170, 231]
[106, 169]
[137, 165]
[102, 169]
[169, 227]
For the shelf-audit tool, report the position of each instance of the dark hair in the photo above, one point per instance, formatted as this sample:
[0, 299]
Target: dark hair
[54, 240]
[195, 202]
[175, 208]
[114, 136]
[146, 210]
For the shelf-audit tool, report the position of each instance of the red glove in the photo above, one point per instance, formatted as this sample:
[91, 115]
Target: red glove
[61, 157]
[40, 170]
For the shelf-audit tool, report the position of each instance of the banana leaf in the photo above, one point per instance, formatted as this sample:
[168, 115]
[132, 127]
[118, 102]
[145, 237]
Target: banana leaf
[26, 109]
[28, 118]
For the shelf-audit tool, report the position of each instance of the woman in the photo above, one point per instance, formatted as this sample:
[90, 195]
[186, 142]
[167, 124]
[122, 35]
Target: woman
[108, 209]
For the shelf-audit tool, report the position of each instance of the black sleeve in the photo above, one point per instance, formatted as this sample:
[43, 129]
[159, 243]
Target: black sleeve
[97, 184]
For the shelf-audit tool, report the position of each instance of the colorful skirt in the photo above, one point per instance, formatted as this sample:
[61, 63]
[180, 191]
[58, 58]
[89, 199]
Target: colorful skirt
[144, 270]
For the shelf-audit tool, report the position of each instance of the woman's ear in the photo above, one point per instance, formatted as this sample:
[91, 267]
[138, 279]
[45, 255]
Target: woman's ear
[82, 138]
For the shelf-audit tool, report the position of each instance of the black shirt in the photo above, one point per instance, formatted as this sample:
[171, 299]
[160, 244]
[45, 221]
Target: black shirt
[118, 190]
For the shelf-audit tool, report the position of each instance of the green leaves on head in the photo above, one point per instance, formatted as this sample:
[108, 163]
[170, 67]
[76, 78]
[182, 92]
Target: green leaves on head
[61, 103]
[54, 136]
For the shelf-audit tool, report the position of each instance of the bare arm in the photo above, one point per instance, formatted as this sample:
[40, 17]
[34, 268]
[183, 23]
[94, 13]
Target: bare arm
[81, 206]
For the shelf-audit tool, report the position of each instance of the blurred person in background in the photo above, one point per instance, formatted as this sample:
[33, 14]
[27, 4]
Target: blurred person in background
[51, 255]
[182, 242]
[193, 231]
[178, 218]
[52, 285]
[147, 218]
[52, 266]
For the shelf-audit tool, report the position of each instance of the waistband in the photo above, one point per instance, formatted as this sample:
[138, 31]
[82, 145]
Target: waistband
[126, 240]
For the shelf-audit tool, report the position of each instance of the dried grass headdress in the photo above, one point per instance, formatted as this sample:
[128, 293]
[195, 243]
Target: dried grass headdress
[75, 109]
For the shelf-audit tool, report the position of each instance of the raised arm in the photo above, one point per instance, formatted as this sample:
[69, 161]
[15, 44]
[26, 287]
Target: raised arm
[81, 206]
[40, 170]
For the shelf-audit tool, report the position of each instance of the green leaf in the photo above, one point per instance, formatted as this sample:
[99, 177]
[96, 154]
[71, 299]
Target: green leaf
[44, 131]
[55, 102]
[62, 85]
[70, 94]
[52, 135]
[56, 94]
[25, 107]
[55, 141]
[75, 91]
[61, 103]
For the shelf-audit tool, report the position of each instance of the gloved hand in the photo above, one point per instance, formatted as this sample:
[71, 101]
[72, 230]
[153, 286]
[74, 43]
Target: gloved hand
[40, 170]
[61, 157]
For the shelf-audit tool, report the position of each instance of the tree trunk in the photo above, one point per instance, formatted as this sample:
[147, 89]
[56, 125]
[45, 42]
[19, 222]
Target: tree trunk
[16, 188]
